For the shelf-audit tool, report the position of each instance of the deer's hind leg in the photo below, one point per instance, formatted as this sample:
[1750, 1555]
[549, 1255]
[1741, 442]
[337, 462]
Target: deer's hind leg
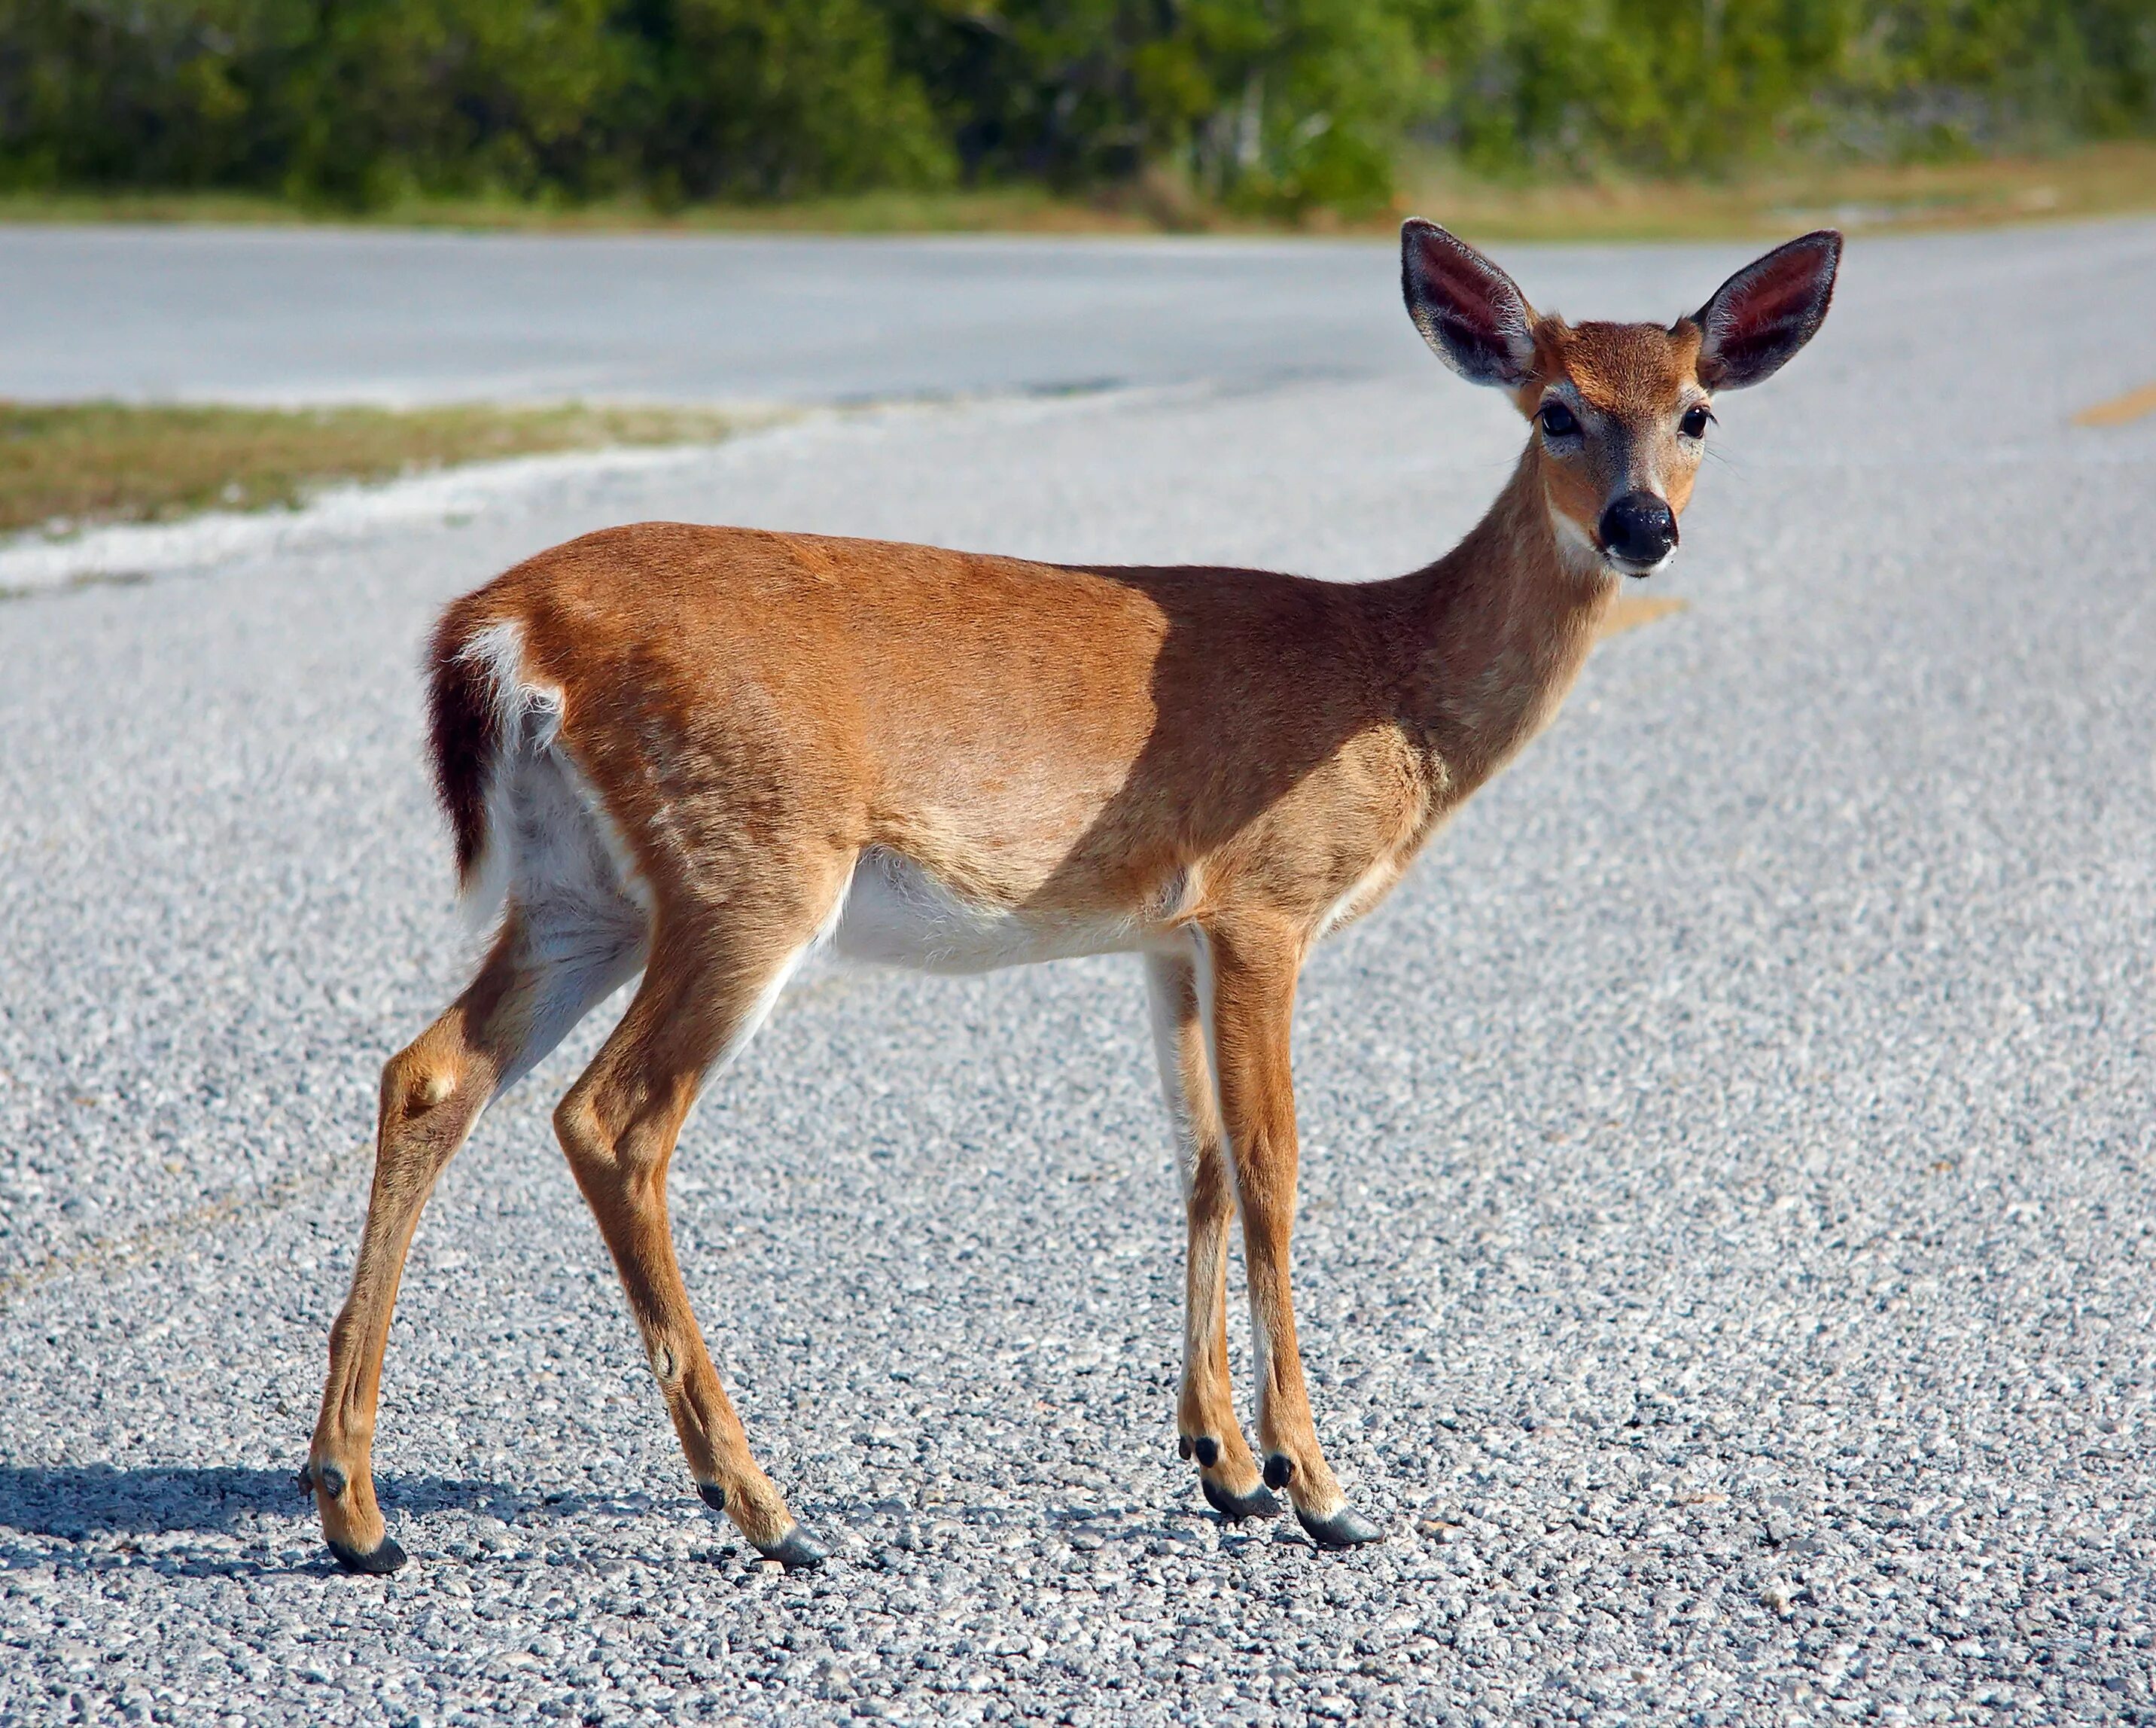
[1206, 1427]
[702, 1001]
[532, 987]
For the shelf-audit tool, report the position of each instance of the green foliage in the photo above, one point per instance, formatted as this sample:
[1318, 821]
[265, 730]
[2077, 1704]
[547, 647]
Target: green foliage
[1254, 102]
[1265, 105]
[354, 101]
[1957, 76]
[1706, 84]
[1577, 82]
[745, 98]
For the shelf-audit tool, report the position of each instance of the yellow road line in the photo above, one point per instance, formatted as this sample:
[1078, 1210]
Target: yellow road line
[2120, 409]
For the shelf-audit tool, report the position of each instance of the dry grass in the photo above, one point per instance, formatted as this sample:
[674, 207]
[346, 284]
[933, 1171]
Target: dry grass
[2099, 180]
[2103, 180]
[70, 465]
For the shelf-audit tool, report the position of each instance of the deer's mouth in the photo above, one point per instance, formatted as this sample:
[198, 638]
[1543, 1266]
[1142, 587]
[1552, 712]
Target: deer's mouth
[1642, 568]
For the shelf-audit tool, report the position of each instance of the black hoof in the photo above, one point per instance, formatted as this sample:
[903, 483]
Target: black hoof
[383, 1561]
[1279, 1471]
[1207, 1451]
[797, 1551]
[1258, 1503]
[1344, 1529]
[712, 1495]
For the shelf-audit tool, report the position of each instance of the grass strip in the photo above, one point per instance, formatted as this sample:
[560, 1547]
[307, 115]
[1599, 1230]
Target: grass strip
[2101, 180]
[67, 465]
[2093, 180]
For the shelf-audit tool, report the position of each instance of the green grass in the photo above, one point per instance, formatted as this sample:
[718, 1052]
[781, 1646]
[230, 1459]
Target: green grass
[1016, 210]
[75, 464]
[2107, 179]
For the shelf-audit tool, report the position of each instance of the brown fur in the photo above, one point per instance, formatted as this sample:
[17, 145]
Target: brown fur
[1640, 378]
[1225, 762]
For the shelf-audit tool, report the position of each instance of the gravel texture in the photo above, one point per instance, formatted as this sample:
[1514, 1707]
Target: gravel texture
[1728, 1250]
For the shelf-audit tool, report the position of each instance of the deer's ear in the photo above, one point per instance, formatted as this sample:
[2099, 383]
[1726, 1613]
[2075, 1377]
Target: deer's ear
[1470, 311]
[1757, 320]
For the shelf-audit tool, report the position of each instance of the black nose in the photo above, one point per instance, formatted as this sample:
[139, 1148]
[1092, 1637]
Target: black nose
[1639, 528]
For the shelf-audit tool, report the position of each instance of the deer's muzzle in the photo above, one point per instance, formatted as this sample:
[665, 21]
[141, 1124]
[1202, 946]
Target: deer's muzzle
[1638, 531]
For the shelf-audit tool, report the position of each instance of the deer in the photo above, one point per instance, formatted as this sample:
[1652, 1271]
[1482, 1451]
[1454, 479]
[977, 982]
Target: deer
[692, 756]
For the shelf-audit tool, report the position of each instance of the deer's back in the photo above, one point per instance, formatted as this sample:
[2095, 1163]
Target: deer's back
[1025, 732]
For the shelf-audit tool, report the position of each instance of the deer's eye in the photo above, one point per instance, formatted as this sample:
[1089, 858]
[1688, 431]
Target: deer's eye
[1694, 423]
[1558, 420]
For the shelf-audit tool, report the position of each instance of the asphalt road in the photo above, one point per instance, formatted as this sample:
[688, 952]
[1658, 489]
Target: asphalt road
[1727, 1262]
[315, 315]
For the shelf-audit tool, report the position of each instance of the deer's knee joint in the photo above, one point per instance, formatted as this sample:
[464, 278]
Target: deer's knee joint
[576, 1125]
[414, 1082]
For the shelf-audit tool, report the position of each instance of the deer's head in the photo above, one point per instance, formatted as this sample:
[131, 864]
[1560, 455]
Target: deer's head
[1620, 412]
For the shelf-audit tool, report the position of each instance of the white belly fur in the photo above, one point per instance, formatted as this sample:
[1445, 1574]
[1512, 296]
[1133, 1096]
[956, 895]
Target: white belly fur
[896, 914]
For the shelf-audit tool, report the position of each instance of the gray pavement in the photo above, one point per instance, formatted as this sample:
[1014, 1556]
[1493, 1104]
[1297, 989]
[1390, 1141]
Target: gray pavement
[325, 315]
[1728, 1262]
[316, 315]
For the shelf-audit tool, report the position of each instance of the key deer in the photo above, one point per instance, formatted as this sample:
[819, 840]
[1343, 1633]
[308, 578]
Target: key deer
[696, 753]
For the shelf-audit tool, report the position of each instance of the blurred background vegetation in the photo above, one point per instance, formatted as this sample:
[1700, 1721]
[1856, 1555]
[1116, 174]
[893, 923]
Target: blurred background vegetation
[1268, 108]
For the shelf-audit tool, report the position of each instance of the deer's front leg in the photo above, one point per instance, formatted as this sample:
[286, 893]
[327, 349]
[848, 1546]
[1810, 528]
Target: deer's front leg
[1251, 991]
[1205, 1424]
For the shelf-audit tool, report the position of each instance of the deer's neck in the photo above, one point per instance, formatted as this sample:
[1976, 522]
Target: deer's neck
[1497, 631]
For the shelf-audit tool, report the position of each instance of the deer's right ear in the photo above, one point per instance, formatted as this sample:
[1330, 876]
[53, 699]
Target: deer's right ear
[1470, 313]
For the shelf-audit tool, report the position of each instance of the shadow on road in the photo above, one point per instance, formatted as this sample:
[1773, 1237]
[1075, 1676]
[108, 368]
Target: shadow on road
[77, 1502]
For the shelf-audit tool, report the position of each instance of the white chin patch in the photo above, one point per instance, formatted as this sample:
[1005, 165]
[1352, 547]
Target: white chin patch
[1627, 567]
[1575, 541]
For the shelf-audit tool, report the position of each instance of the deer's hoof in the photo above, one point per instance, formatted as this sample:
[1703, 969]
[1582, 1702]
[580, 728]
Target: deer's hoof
[797, 1551]
[1258, 1503]
[1346, 1528]
[385, 1559]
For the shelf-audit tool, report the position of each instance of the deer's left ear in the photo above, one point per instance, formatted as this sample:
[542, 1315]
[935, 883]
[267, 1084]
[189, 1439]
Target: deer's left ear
[1757, 320]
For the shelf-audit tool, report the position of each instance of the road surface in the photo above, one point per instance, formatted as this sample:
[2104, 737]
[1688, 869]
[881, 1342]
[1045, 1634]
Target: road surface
[1728, 1250]
[321, 315]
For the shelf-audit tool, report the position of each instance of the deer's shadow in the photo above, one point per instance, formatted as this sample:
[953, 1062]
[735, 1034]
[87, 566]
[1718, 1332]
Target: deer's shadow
[77, 1517]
